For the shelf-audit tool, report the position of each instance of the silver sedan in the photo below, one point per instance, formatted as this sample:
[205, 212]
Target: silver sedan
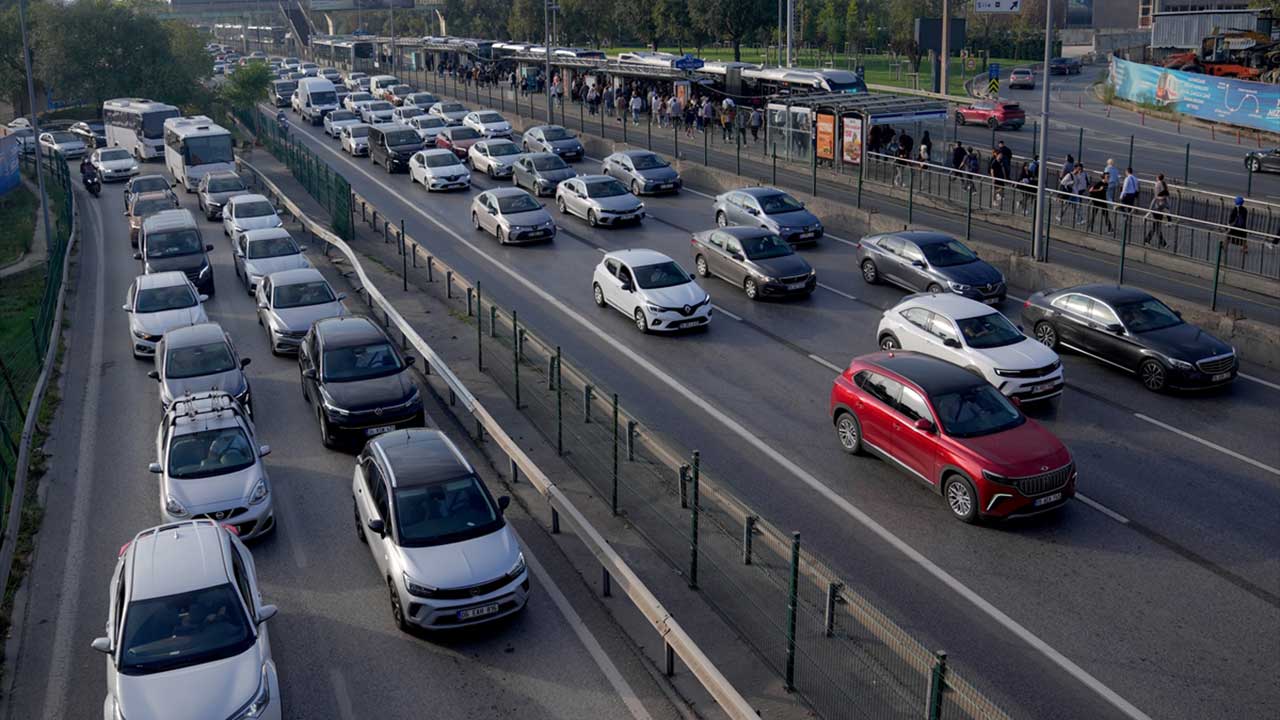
[496, 158]
[598, 199]
[512, 215]
[643, 171]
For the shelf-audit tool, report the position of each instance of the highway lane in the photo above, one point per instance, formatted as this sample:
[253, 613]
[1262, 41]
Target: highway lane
[758, 372]
[338, 651]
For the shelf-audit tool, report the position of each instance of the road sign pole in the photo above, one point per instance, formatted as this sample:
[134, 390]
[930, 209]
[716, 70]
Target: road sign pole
[1038, 239]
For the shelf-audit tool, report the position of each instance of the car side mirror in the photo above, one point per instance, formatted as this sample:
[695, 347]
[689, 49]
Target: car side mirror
[1178, 313]
[264, 450]
[102, 645]
[504, 502]
[377, 527]
[153, 374]
[626, 285]
[245, 361]
[923, 425]
[137, 256]
[1115, 329]
[491, 211]
[262, 306]
[127, 307]
[173, 184]
[735, 255]
[155, 468]
[342, 296]
[302, 248]
[409, 359]
[753, 211]
[208, 248]
[266, 612]
[203, 298]
[309, 373]
[951, 342]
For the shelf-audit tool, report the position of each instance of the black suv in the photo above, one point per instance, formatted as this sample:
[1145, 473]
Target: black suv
[393, 145]
[171, 240]
[357, 380]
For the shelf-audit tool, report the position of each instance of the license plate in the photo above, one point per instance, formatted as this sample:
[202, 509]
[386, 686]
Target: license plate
[536, 233]
[991, 300]
[666, 186]
[1222, 376]
[806, 236]
[795, 286]
[379, 430]
[1042, 387]
[476, 612]
[690, 323]
[1047, 499]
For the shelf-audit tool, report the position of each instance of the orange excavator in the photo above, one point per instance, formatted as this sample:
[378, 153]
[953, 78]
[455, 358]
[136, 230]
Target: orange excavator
[1243, 54]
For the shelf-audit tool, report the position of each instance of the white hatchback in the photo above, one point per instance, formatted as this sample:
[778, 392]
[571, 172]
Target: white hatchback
[976, 337]
[651, 289]
[248, 212]
[158, 303]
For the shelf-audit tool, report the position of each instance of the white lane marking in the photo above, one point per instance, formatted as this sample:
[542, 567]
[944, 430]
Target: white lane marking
[1102, 508]
[55, 694]
[587, 638]
[340, 693]
[839, 239]
[841, 293]
[1208, 444]
[699, 193]
[1015, 298]
[825, 363]
[726, 312]
[749, 437]
[1260, 381]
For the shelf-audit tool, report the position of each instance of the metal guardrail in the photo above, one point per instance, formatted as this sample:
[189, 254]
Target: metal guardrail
[674, 637]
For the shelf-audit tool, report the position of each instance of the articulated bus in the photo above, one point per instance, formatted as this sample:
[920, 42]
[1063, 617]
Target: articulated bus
[194, 147]
[137, 125]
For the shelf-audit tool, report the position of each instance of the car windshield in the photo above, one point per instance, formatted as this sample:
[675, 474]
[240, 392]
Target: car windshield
[445, 159]
[503, 149]
[173, 244]
[381, 106]
[945, 254]
[359, 97]
[764, 247]
[116, 154]
[425, 122]
[549, 162]
[143, 208]
[254, 208]
[196, 360]
[64, 137]
[357, 131]
[286, 86]
[324, 97]
[360, 362]
[225, 184]
[206, 453]
[778, 203]
[517, 204]
[340, 115]
[1146, 315]
[302, 294]
[396, 138]
[159, 299]
[989, 331]
[148, 184]
[977, 410]
[555, 133]
[177, 631]
[648, 162]
[463, 133]
[444, 512]
[421, 99]
[605, 188]
[489, 117]
[272, 247]
[452, 107]
[660, 275]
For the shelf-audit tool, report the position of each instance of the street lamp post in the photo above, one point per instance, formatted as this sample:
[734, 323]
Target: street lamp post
[791, 20]
[945, 72]
[1042, 213]
[35, 125]
[546, 29]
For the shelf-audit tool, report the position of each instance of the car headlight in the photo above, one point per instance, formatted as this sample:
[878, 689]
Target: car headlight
[517, 568]
[417, 588]
[957, 287]
[332, 409]
[1007, 373]
[654, 308]
[260, 492]
[206, 270]
[995, 478]
[173, 507]
[243, 397]
[279, 223]
[144, 336]
[1180, 364]
[257, 705]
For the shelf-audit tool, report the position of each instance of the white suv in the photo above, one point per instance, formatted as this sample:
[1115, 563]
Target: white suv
[210, 465]
[972, 335]
[651, 289]
[186, 634]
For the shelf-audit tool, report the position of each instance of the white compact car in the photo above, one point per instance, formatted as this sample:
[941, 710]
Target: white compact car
[158, 303]
[259, 253]
[450, 112]
[651, 289]
[338, 119]
[439, 169]
[405, 113]
[355, 139]
[378, 112]
[67, 143]
[488, 123]
[512, 215]
[428, 127]
[114, 164]
[248, 212]
[495, 158]
[185, 610]
[976, 337]
[356, 101]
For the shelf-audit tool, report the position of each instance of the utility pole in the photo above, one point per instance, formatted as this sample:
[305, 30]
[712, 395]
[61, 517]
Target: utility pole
[779, 33]
[945, 74]
[1042, 212]
[392, 6]
[35, 125]
[546, 29]
[791, 20]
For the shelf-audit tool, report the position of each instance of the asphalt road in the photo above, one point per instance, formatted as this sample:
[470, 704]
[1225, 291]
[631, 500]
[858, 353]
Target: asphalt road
[338, 651]
[1159, 594]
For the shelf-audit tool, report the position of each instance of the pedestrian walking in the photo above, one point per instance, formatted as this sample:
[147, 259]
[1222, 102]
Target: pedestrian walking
[1113, 179]
[1026, 183]
[593, 101]
[1080, 186]
[1068, 165]
[757, 120]
[692, 119]
[637, 105]
[1156, 216]
[663, 111]
[1239, 222]
[1098, 203]
[741, 119]
[1161, 186]
[958, 155]
[1006, 157]
[972, 166]
[995, 170]
[926, 148]
[1129, 190]
[726, 120]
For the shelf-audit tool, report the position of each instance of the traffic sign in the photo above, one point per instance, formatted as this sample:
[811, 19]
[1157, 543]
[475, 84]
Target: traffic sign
[997, 6]
[993, 71]
[688, 62]
[993, 87]
[971, 63]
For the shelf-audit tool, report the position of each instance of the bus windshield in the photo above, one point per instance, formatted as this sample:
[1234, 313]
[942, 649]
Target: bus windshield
[208, 149]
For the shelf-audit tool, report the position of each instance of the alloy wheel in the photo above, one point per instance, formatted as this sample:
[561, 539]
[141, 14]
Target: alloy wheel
[641, 323]
[1046, 334]
[560, 204]
[934, 288]
[721, 220]
[591, 218]
[751, 289]
[1152, 375]
[870, 273]
[960, 499]
[889, 342]
[397, 613]
[849, 433]
[700, 264]
[599, 295]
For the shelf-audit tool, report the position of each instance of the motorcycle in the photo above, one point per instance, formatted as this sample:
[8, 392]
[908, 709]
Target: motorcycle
[93, 184]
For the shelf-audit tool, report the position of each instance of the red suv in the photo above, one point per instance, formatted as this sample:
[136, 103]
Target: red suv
[994, 114]
[954, 431]
[458, 139]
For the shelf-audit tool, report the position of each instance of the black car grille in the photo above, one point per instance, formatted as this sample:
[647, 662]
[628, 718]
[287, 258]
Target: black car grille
[192, 275]
[687, 310]
[1033, 372]
[1044, 482]
[794, 279]
[474, 590]
[1216, 365]
[225, 514]
[989, 288]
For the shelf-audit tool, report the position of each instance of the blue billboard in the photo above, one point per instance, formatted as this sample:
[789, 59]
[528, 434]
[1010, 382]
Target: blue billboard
[9, 150]
[1227, 100]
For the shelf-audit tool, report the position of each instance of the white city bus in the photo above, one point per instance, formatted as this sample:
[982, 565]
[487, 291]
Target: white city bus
[137, 125]
[194, 147]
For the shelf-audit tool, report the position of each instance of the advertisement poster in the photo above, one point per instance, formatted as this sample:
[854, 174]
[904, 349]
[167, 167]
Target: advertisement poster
[682, 92]
[826, 136]
[9, 149]
[852, 145]
[1239, 102]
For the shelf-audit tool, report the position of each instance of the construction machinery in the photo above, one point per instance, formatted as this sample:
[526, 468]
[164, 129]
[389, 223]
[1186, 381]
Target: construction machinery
[1243, 54]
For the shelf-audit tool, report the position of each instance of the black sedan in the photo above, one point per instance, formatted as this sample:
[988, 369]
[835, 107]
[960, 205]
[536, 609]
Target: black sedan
[754, 259]
[1131, 330]
[1263, 160]
[357, 380]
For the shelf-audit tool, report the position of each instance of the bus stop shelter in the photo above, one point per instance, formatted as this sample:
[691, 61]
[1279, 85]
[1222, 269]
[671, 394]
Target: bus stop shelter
[833, 126]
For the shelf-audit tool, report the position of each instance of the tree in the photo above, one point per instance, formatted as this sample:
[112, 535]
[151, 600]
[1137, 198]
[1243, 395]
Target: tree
[831, 20]
[671, 18]
[855, 30]
[247, 87]
[732, 20]
[637, 19]
[525, 20]
[13, 73]
[902, 22]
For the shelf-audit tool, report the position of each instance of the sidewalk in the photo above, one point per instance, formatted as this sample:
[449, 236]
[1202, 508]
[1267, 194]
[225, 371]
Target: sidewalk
[38, 254]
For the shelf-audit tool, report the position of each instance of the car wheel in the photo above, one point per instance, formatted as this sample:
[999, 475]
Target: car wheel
[326, 433]
[870, 273]
[961, 498]
[849, 433]
[960, 118]
[560, 204]
[889, 342]
[934, 288]
[1047, 334]
[491, 173]
[598, 294]
[642, 324]
[591, 218]
[502, 238]
[475, 221]
[700, 264]
[635, 188]
[1153, 375]
[751, 289]
[397, 613]
[359, 525]
[1255, 165]
[721, 220]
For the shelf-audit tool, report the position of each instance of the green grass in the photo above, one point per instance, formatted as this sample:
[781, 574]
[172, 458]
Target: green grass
[17, 223]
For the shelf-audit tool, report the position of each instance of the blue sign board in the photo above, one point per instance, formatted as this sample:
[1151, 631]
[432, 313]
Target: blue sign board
[10, 149]
[993, 71]
[1227, 100]
[688, 62]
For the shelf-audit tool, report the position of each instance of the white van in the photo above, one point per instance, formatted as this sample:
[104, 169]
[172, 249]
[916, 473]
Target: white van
[378, 85]
[315, 98]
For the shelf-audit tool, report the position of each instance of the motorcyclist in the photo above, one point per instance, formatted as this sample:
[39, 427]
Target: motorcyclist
[89, 176]
[282, 120]
[85, 165]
